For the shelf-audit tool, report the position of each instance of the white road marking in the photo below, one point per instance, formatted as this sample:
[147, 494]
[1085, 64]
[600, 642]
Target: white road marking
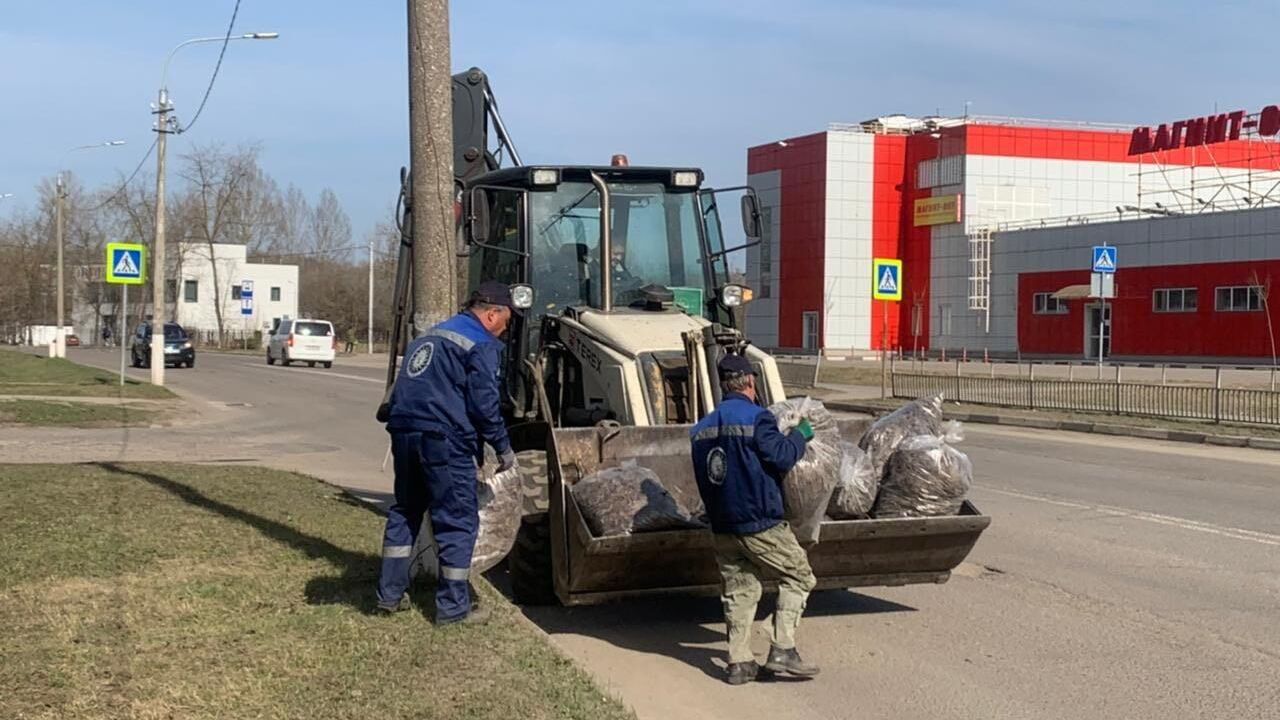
[1183, 523]
[326, 373]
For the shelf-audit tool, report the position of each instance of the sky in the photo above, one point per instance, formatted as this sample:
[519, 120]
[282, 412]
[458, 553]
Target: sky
[691, 83]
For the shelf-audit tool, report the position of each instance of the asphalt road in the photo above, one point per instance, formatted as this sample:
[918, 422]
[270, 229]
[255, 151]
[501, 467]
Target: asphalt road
[1120, 578]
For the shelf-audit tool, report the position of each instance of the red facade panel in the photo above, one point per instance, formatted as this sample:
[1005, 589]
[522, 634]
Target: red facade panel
[802, 228]
[1138, 330]
[1101, 146]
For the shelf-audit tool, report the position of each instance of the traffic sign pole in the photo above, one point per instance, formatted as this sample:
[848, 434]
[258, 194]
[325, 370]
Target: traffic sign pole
[124, 323]
[126, 265]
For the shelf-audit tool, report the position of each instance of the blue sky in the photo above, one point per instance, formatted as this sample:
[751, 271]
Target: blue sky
[687, 83]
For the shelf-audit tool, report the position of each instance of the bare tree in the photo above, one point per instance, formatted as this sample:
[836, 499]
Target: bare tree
[220, 184]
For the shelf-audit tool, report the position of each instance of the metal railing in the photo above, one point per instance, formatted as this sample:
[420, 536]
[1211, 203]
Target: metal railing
[1179, 402]
[798, 370]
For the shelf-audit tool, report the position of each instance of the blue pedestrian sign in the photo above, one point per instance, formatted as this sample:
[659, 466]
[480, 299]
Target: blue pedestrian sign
[1104, 259]
[886, 279]
[126, 264]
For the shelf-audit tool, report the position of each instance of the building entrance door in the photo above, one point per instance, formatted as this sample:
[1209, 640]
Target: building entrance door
[1094, 326]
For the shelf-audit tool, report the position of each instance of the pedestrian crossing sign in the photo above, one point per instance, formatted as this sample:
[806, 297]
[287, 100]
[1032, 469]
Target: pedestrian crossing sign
[886, 279]
[126, 264]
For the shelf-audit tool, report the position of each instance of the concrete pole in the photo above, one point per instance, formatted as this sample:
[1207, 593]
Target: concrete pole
[435, 282]
[157, 252]
[370, 338]
[59, 342]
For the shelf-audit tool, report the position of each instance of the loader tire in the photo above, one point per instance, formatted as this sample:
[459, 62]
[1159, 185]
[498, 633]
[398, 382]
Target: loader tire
[533, 481]
[529, 563]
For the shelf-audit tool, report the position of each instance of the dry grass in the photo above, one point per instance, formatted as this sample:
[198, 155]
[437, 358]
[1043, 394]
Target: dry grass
[170, 591]
[73, 414]
[25, 374]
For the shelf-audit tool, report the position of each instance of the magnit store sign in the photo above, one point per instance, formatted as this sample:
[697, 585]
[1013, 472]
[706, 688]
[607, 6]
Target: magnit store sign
[1207, 130]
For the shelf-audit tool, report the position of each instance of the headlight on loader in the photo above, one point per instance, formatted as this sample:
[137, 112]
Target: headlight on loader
[522, 296]
[735, 295]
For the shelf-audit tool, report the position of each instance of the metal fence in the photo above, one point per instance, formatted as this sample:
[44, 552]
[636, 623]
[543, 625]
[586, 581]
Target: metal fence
[1181, 402]
[799, 371]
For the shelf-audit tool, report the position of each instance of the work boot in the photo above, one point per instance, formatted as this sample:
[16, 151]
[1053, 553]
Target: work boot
[393, 608]
[788, 661]
[743, 672]
[477, 616]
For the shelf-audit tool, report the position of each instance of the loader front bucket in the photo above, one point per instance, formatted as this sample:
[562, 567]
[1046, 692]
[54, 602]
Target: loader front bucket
[589, 569]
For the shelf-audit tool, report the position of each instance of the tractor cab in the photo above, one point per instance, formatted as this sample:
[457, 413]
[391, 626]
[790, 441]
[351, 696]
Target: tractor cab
[616, 242]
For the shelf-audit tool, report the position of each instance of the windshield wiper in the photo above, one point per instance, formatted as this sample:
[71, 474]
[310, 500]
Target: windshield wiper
[563, 212]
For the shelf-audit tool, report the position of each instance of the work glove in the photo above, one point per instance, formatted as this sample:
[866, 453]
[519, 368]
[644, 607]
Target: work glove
[506, 460]
[805, 430]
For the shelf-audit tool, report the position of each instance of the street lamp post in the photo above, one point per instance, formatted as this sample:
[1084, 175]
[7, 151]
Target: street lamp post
[59, 201]
[166, 124]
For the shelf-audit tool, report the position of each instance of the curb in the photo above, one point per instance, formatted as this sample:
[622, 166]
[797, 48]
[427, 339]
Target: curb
[1084, 426]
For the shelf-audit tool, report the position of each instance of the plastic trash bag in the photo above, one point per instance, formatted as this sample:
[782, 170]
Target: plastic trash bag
[500, 498]
[926, 477]
[807, 487]
[856, 485]
[922, 416]
[629, 499]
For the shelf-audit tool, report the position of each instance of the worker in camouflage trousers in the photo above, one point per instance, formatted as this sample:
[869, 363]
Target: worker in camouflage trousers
[739, 459]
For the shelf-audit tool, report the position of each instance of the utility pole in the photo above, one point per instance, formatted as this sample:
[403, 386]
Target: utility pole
[59, 342]
[60, 210]
[435, 263]
[370, 338]
[166, 124]
[163, 108]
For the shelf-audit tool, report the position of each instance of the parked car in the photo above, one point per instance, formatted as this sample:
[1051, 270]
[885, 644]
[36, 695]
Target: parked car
[73, 341]
[302, 340]
[178, 350]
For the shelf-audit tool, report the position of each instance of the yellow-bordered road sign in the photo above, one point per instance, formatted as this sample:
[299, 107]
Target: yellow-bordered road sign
[126, 263]
[886, 279]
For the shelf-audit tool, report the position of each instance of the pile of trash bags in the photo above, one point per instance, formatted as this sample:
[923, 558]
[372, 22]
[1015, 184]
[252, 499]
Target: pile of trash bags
[912, 455]
[629, 499]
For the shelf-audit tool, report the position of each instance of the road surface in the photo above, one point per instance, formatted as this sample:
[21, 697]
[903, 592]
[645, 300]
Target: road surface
[1120, 578]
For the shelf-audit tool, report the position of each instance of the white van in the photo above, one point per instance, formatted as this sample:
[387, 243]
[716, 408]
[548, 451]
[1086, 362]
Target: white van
[302, 340]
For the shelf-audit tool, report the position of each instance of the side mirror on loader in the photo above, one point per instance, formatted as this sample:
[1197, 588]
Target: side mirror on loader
[751, 216]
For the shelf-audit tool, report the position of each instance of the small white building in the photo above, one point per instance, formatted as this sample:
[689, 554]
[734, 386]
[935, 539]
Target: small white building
[207, 280]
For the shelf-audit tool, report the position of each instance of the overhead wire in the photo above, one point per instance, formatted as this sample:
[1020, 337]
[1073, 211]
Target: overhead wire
[213, 78]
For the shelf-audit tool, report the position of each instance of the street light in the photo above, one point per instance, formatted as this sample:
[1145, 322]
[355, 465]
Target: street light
[164, 126]
[59, 200]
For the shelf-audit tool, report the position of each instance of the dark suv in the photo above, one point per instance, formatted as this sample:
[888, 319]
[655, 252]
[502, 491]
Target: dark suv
[178, 350]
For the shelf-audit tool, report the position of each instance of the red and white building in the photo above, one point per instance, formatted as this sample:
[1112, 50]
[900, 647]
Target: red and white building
[994, 220]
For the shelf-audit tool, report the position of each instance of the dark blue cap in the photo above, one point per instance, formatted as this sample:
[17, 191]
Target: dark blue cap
[735, 365]
[493, 292]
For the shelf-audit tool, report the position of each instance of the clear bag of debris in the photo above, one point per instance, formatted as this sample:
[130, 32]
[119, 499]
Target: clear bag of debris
[922, 416]
[500, 499]
[926, 477]
[807, 487]
[629, 499]
[856, 485]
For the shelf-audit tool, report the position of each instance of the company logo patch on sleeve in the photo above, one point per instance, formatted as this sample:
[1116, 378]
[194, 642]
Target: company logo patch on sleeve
[421, 359]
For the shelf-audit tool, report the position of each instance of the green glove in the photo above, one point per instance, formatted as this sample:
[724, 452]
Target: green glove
[805, 429]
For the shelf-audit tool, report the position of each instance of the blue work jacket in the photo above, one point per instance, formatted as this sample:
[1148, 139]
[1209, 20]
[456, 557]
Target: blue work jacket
[449, 384]
[739, 459]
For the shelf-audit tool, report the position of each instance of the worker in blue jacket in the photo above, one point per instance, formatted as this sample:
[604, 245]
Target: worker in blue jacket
[443, 406]
[739, 459]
